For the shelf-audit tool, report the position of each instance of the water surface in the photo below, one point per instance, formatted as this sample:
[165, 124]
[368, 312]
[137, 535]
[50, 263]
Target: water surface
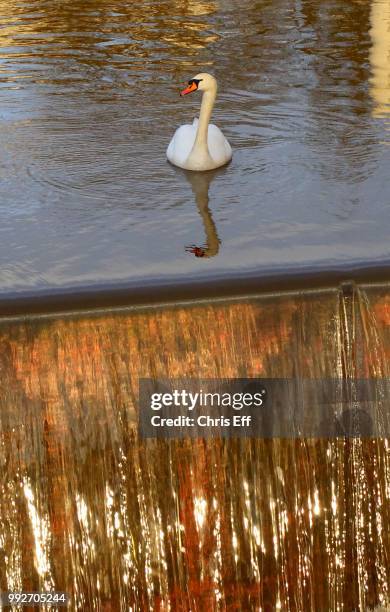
[89, 101]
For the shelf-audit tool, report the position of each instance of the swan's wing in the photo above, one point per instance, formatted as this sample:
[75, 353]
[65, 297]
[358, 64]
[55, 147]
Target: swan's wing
[181, 144]
[219, 148]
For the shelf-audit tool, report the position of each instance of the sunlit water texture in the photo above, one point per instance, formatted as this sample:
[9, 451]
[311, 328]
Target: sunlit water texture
[122, 523]
[89, 101]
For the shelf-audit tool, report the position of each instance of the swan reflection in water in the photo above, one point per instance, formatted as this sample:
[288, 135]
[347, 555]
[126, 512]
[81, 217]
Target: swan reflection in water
[200, 183]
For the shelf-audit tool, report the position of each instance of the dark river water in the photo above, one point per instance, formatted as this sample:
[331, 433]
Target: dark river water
[89, 101]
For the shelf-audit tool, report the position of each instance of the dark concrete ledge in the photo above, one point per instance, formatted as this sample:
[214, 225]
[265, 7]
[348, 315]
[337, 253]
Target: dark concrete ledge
[172, 290]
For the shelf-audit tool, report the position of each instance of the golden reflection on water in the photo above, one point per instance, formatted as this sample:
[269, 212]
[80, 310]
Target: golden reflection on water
[380, 57]
[123, 523]
[139, 30]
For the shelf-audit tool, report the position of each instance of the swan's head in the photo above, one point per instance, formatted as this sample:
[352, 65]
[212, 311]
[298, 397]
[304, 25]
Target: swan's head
[202, 82]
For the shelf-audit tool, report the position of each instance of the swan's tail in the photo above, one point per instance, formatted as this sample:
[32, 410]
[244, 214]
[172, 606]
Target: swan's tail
[195, 122]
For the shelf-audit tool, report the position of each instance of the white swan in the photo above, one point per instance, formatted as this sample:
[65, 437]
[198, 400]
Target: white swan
[200, 146]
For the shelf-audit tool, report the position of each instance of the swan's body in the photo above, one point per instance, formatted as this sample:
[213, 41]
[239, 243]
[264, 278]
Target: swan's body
[200, 146]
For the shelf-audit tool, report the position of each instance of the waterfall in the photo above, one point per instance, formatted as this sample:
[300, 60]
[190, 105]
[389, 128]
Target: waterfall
[123, 523]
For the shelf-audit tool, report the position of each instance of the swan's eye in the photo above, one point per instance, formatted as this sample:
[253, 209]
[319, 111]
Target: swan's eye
[195, 82]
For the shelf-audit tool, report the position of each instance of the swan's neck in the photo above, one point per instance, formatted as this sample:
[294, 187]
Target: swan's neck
[204, 119]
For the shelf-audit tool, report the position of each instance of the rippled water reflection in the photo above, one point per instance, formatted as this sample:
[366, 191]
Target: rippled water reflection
[89, 101]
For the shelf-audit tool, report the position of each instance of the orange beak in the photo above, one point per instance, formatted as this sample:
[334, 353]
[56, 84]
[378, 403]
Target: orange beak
[190, 89]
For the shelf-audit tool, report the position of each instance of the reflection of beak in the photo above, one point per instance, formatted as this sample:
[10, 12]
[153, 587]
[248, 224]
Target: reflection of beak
[190, 89]
[197, 251]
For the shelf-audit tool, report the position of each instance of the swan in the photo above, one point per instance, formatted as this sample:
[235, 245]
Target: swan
[200, 146]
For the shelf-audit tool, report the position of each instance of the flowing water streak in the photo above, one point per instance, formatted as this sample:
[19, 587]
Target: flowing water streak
[120, 522]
